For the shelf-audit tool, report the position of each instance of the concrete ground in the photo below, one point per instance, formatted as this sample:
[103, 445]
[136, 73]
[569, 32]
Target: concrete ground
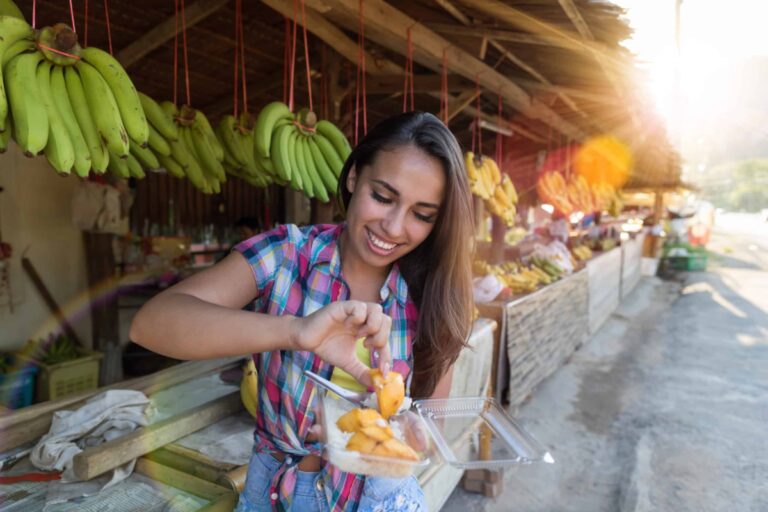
[666, 408]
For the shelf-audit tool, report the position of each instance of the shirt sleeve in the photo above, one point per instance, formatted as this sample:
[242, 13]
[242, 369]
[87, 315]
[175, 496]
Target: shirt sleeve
[269, 252]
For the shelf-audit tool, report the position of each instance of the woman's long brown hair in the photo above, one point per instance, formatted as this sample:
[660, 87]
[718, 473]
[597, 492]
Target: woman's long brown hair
[438, 271]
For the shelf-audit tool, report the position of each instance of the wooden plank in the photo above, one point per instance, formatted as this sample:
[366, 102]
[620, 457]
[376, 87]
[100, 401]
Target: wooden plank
[165, 31]
[97, 460]
[28, 424]
[180, 480]
[456, 13]
[491, 32]
[387, 26]
[388, 84]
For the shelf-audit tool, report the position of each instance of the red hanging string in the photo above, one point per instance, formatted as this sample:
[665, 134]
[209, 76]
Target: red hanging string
[293, 57]
[109, 28]
[85, 24]
[34, 13]
[360, 86]
[476, 125]
[306, 54]
[408, 85]
[242, 60]
[499, 150]
[286, 58]
[444, 88]
[235, 89]
[184, 46]
[323, 83]
[72, 16]
[175, 52]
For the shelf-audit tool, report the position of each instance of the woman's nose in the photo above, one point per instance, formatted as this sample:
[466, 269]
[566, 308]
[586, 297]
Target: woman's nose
[394, 224]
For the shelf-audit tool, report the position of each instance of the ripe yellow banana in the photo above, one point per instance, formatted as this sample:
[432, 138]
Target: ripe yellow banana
[249, 387]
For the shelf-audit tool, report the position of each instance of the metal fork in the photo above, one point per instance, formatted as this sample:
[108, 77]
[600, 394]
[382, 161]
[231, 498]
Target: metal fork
[352, 397]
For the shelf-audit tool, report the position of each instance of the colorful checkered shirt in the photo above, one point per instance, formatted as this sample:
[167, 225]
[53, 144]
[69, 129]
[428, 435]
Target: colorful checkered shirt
[297, 272]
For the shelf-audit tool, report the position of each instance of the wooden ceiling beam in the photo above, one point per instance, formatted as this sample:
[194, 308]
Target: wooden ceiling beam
[481, 31]
[389, 26]
[163, 32]
[388, 84]
[335, 38]
[463, 19]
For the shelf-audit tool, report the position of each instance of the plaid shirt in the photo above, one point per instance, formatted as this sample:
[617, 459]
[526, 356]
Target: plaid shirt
[297, 272]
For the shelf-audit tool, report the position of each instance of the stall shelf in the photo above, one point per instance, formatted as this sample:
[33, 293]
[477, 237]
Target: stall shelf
[604, 271]
[538, 333]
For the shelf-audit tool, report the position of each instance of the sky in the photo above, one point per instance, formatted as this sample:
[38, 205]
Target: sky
[717, 113]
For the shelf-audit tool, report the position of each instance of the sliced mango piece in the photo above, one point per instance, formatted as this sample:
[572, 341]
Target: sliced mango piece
[378, 432]
[390, 391]
[356, 419]
[395, 448]
[361, 443]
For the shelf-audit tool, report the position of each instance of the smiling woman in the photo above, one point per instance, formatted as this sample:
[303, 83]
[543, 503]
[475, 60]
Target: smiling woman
[396, 273]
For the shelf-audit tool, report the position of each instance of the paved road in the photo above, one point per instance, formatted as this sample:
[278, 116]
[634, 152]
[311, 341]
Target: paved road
[666, 409]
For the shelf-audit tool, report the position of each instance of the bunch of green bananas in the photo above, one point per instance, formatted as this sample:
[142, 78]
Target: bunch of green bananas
[182, 141]
[303, 151]
[240, 158]
[82, 111]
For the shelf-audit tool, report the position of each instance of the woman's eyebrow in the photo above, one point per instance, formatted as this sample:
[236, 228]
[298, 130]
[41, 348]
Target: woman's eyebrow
[397, 193]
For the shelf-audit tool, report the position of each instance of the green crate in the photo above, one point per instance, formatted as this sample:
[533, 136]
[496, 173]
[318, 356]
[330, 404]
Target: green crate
[693, 262]
[68, 378]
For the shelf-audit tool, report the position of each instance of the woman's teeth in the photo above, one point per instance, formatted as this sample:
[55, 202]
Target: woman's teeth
[380, 243]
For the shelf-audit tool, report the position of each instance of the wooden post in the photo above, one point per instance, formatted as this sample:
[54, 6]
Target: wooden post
[100, 268]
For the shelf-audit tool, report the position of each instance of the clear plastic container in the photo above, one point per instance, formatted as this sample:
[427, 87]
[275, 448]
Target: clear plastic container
[332, 408]
[467, 433]
[476, 433]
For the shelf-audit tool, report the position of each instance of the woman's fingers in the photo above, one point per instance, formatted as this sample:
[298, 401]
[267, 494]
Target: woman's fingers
[380, 342]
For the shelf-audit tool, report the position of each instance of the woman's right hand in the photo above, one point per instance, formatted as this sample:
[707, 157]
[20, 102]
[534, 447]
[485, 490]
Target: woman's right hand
[332, 332]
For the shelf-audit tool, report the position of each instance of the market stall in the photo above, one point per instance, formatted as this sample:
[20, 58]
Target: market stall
[183, 129]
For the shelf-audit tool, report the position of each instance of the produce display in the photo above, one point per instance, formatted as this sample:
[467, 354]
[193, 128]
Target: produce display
[581, 252]
[576, 195]
[75, 105]
[183, 142]
[519, 278]
[299, 149]
[487, 182]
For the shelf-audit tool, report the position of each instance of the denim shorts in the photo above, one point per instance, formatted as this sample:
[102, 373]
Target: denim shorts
[379, 494]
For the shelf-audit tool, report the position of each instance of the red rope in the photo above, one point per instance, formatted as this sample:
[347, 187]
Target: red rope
[235, 90]
[323, 83]
[242, 60]
[34, 13]
[176, 52]
[109, 28]
[85, 24]
[184, 46]
[54, 50]
[293, 55]
[306, 54]
[72, 16]
[476, 126]
[286, 58]
[360, 86]
[444, 88]
[499, 153]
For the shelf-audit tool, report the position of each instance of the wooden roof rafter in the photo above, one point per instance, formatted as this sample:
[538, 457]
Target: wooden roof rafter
[387, 27]
[508, 54]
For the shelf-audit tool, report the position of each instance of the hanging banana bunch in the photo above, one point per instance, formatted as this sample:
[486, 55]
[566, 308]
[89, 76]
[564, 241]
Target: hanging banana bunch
[298, 150]
[182, 141]
[75, 105]
[496, 189]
